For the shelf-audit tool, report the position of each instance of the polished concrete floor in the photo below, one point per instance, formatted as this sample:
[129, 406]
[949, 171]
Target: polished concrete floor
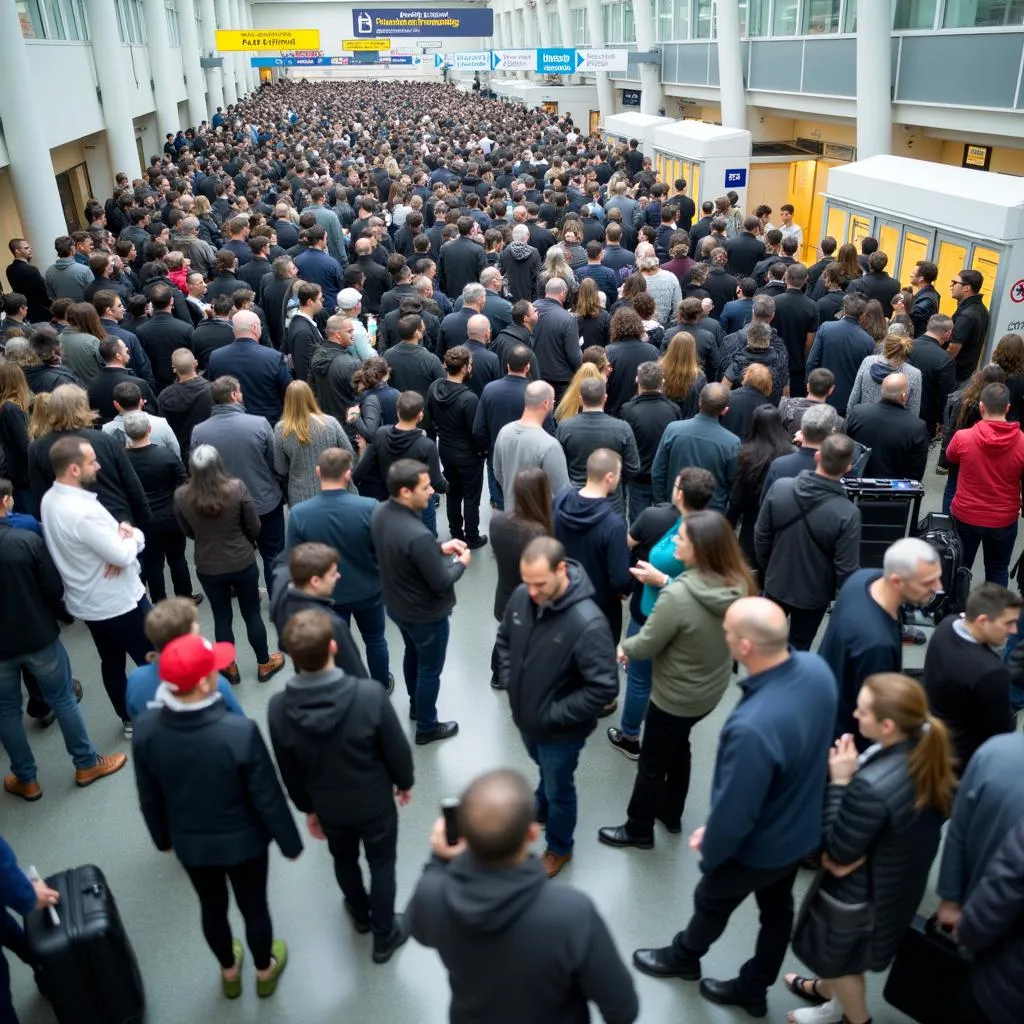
[645, 896]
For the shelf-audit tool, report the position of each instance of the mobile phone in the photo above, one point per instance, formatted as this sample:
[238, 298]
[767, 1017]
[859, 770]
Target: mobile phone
[450, 809]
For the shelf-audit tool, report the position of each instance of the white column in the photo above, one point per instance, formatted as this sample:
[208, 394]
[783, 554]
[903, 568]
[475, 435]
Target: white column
[652, 96]
[195, 84]
[605, 99]
[543, 29]
[730, 66]
[530, 31]
[161, 68]
[228, 70]
[238, 58]
[510, 39]
[31, 170]
[874, 74]
[252, 76]
[565, 23]
[518, 33]
[214, 79]
[109, 58]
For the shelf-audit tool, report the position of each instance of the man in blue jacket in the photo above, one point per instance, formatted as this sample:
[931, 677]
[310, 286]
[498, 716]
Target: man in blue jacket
[766, 806]
[841, 346]
[317, 266]
[261, 370]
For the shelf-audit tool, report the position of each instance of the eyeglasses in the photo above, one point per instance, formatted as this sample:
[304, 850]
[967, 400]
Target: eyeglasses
[956, 280]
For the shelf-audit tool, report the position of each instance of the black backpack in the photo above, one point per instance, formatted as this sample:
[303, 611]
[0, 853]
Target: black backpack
[938, 530]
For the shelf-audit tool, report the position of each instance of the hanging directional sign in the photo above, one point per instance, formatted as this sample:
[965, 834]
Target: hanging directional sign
[556, 61]
[346, 60]
[602, 60]
[513, 60]
[465, 60]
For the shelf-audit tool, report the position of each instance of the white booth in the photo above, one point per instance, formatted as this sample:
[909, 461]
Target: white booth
[954, 216]
[620, 128]
[578, 101]
[713, 160]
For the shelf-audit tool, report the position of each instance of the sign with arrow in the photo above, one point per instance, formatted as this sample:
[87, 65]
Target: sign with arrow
[465, 60]
[513, 60]
[602, 60]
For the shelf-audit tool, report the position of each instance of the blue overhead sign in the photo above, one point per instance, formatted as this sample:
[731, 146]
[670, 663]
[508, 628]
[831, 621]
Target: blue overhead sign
[397, 22]
[346, 60]
[557, 61]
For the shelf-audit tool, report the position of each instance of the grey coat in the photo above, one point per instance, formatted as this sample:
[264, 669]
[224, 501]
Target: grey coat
[297, 462]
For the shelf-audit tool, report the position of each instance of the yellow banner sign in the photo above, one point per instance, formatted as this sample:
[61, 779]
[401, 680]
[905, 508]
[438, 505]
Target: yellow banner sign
[232, 40]
[366, 44]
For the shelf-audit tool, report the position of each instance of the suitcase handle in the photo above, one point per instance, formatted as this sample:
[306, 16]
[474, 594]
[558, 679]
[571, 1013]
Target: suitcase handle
[51, 912]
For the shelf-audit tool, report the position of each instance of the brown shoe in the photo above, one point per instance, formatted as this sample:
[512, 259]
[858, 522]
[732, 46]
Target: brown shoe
[30, 791]
[554, 862]
[103, 766]
[268, 669]
[234, 677]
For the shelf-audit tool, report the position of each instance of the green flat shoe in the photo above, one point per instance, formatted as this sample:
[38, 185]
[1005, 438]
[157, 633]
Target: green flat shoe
[279, 957]
[233, 989]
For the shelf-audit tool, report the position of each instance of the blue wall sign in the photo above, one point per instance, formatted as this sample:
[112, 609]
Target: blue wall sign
[396, 22]
[736, 177]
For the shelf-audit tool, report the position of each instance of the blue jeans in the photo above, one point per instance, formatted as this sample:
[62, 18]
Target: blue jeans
[949, 491]
[494, 489]
[641, 496]
[369, 616]
[556, 791]
[996, 543]
[429, 516]
[426, 644]
[52, 671]
[638, 689]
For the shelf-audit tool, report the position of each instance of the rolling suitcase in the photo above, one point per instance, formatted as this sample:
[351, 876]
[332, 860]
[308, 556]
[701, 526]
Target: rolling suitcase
[86, 962]
[938, 530]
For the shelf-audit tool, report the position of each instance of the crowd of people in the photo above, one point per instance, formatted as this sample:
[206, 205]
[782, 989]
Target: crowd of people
[310, 319]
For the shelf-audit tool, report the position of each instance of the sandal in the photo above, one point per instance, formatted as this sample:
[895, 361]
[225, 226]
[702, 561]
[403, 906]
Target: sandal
[232, 987]
[805, 988]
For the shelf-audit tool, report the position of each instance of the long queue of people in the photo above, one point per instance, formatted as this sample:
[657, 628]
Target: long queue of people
[664, 441]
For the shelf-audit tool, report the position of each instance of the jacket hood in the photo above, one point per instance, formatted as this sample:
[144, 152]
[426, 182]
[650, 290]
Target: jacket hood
[489, 900]
[579, 513]
[398, 442]
[521, 251]
[62, 262]
[997, 435]
[448, 392]
[810, 489]
[319, 702]
[180, 397]
[322, 357]
[712, 593]
[768, 357]
[879, 370]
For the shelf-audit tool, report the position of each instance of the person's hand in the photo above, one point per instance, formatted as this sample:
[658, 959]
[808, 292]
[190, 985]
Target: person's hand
[620, 657]
[948, 915]
[842, 760]
[646, 573]
[403, 796]
[697, 839]
[111, 572]
[45, 896]
[314, 827]
[125, 530]
[439, 842]
[465, 557]
[454, 546]
[360, 443]
[352, 415]
[799, 438]
[840, 870]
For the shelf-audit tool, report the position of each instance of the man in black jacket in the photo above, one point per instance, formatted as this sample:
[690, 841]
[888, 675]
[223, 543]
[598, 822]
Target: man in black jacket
[897, 438]
[344, 759]
[519, 332]
[253, 272]
[276, 291]
[162, 334]
[926, 298]
[461, 261]
[376, 279]
[413, 368]
[970, 323]
[187, 401]
[938, 370]
[302, 335]
[214, 332]
[556, 659]
[520, 262]
[796, 320]
[877, 284]
[745, 250]
[486, 901]
[115, 355]
[418, 577]
[556, 337]
[26, 279]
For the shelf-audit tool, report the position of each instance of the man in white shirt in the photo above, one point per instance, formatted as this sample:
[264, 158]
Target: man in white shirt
[97, 559]
[788, 228]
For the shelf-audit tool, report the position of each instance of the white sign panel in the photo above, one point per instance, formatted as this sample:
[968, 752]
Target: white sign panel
[602, 60]
[513, 60]
[469, 60]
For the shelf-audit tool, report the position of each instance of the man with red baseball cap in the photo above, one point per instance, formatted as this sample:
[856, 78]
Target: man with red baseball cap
[218, 813]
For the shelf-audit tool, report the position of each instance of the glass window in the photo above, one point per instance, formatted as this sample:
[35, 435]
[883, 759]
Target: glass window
[850, 17]
[704, 19]
[915, 14]
[983, 13]
[172, 23]
[78, 26]
[554, 32]
[663, 17]
[681, 29]
[580, 27]
[753, 18]
[628, 24]
[784, 17]
[31, 18]
[54, 20]
[612, 14]
[821, 16]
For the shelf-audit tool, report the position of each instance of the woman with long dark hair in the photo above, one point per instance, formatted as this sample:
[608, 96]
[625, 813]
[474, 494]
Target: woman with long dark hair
[692, 668]
[767, 441]
[15, 401]
[80, 341]
[684, 377]
[592, 318]
[378, 407]
[883, 816]
[509, 534]
[217, 512]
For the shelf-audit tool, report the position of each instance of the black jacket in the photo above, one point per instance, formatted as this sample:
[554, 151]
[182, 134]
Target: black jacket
[745, 252]
[390, 444]
[179, 304]
[101, 391]
[161, 335]
[376, 282]
[184, 404]
[28, 281]
[330, 373]
[452, 407]
[413, 368]
[509, 535]
[557, 662]
[502, 346]
[938, 379]
[339, 746]
[160, 472]
[45, 378]
[418, 579]
[225, 283]
[31, 599]
[924, 307]
[302, 338]
[625, 357]
[209, 336]
[880, 286]
[556, 341]
[502, 402]
[992, 927]
[521, 265]
[649, 414]
[743, 401]
[461, 262]
[721, 286]
[897, 438]
[253, 273]
[275, 295]
[207, 787]
[796, 316]
[555, 950]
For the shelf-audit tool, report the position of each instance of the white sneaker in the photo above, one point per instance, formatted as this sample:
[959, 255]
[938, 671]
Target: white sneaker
[828, 1013]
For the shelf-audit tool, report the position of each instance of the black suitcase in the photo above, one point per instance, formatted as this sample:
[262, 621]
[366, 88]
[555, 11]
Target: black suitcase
[87, 966]
[928, 975]
[938, 530]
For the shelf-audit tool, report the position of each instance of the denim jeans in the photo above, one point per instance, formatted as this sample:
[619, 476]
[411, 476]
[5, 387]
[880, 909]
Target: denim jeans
[52, 671]
[369, 616]
[494, 489]
[426, 644]
[996, 543]
[949, 491]
[244, 585]
[116, 639]
[641, 496]
[556, 791]
[270, 542]
[638, 688]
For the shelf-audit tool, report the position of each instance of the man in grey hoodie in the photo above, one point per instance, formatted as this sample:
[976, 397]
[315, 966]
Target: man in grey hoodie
[67, 279]
[520, 263]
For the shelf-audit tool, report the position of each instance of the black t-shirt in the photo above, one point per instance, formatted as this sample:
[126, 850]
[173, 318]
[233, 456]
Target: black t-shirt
[650, 526]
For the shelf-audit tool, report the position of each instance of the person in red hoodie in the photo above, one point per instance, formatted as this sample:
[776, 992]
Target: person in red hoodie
[987, 502]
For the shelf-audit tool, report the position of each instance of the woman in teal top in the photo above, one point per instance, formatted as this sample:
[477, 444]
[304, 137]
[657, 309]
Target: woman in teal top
[661, 567]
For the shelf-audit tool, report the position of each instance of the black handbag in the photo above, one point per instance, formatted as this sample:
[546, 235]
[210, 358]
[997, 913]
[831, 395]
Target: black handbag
[833, 938]
[928, 975]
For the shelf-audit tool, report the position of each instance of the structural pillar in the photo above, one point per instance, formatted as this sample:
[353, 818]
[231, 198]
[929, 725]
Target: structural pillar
[543, 28]
[565, 23]
[195, 84]
[228, 69]
[605, 99]
[214, 78]
[652, 96]
[874, 75]
[530, 32]
[518, 42]
[161, 68]
[31, 170]
[730, 66]
[114, 92]
[238, 59]
[252, 76]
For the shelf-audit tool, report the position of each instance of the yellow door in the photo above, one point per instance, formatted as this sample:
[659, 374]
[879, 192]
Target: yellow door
[889, 243]
[695, 184]
[915, 248]
[836, 224]
[801, 195]
[813, 232]
[987, 261]
[950, 260]
[860, 227]
[595, 122]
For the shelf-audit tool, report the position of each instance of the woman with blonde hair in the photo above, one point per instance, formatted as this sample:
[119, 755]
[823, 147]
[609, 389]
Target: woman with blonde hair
[882, 821]
[867, 386]
[300, 435]
[555, 265]
[208, 229]
[571, 403]
[684, 377]
[81, 341]
[14, 407]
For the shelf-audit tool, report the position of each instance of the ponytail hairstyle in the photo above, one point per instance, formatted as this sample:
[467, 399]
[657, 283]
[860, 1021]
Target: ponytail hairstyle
[903, 701]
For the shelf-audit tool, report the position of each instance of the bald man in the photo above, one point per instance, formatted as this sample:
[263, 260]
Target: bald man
[766, 805]
[261, 370]
[486, 366]
[897, 437]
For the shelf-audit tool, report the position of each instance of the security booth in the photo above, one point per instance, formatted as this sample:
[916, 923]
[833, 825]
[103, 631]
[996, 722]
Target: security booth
[620, 128]
[713, 160]
[954, 216]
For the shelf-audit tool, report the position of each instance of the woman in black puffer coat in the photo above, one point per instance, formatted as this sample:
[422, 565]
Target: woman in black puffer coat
[882, 820]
